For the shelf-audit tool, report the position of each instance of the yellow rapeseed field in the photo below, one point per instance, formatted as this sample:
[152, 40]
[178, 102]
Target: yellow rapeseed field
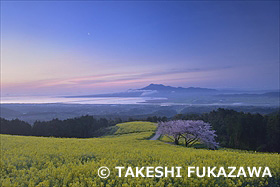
[40, 161]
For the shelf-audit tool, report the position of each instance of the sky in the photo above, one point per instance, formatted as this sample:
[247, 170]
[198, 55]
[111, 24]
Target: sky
[85, 47]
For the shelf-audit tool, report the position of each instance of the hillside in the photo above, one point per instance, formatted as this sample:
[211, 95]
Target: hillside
[75, 162]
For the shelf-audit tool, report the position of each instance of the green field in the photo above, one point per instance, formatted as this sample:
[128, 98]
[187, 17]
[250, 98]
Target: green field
[40, 161]
[135, 127]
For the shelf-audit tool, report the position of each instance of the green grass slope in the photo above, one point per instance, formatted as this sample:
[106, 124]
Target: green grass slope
[135, 127]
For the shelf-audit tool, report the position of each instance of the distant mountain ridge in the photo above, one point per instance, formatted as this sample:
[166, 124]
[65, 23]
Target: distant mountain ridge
[161, 87]
[267, 94]
[193, 95]
[156, 90]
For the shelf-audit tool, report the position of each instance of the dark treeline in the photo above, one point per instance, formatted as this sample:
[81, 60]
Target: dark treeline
[82, 127]
[15, 126]
[242, 130]
[234, 129]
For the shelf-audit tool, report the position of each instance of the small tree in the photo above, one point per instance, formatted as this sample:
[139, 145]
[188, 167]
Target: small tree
[191, 130]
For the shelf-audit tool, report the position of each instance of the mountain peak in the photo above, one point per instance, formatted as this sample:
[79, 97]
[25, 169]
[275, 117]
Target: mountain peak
[156, 87]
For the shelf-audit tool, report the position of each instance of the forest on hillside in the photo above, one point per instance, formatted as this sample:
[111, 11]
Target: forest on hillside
[234, 129]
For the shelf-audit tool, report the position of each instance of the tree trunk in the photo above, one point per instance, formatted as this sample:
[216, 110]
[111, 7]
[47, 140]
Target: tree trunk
[176, 141]
[186, 143]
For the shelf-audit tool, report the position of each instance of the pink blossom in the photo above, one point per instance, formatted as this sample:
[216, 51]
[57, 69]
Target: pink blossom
[191, 130]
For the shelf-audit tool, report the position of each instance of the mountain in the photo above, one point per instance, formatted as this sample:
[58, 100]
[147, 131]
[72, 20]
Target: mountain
[169, 95]
[158, 90]
[267, 94]
[272, 94]
[161, 87]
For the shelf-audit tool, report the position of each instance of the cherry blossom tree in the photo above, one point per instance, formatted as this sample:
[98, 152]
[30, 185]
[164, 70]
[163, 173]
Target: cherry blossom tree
[190, 130]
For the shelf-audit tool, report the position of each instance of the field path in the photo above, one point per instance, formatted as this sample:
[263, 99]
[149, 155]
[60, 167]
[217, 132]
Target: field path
[155, 137]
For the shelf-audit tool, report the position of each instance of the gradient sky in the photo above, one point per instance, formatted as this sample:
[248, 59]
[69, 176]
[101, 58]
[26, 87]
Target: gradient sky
[86, 47]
